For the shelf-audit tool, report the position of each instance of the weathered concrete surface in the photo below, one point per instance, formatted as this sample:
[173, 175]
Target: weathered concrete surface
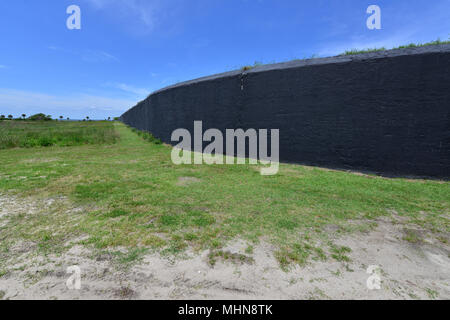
[384, 112]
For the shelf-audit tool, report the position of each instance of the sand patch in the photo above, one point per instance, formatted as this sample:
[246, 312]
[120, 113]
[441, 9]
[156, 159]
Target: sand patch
[407, 271]
[40, 160]
[186, 181]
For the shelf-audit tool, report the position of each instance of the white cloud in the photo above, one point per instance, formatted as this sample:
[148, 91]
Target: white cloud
[19, 101]
[143, 17]
[98, 56]
[144, 10]
[88, 55]
[2, 66]
[131, 89]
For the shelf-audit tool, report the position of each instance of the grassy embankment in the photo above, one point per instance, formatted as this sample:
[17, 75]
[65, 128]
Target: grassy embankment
[132, 196]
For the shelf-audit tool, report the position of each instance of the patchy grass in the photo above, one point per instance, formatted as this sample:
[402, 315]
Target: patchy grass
[432, 294]
[339, 253]
[3, 273]
[236, 258]
[249, 249]
[124, 293]
[412, 236]
[249, 67]
[129, 195]
[298, 254]
[29, 134]
[130, 257]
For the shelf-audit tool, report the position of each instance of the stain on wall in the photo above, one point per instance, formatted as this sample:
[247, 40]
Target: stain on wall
[383, 112]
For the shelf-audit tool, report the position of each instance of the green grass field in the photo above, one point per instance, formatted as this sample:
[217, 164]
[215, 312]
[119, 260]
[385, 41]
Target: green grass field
[131, 195]
[29, 134]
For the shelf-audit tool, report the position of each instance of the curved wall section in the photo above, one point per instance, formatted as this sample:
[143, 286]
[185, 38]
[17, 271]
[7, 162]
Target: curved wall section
[384, 112]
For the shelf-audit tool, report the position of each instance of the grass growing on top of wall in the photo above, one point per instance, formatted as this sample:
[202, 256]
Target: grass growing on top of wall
[131, 195]
[28, 134]
[353, 52]
[411, 45]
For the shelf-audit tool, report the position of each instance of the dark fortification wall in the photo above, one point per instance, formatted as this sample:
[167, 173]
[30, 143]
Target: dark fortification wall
[384, 112]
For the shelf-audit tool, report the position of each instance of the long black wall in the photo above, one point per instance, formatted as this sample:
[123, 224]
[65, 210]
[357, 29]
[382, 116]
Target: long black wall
[384, 112]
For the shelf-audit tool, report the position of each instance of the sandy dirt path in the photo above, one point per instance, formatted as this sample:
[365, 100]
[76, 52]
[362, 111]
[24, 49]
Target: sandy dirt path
[405, 270]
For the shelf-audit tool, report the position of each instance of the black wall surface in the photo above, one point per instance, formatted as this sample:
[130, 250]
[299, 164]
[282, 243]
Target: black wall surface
[384, 112]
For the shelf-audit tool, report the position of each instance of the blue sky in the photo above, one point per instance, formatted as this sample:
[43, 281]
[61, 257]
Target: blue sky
[128, 48]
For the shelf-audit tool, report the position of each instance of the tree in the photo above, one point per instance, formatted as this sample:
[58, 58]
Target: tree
[109, 118]
[23, 116]
[87, 118]
[68, 119]
[10, 117]
[40, 117]
[2, 117]
[61, 117]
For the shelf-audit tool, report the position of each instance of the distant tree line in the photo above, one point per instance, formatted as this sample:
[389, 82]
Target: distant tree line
[36, 117]
[43, 117]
